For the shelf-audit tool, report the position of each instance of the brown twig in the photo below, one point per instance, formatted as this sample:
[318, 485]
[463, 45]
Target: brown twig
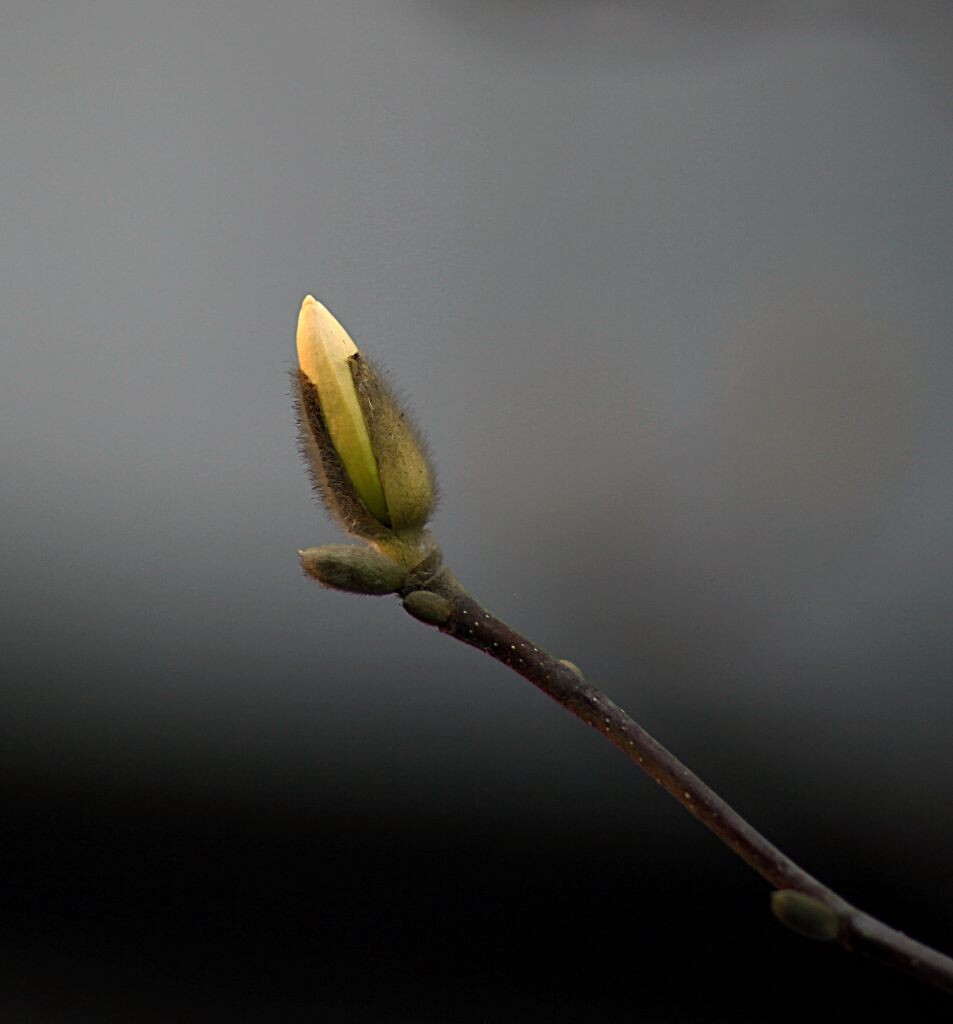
[802, 902]
[371, 469]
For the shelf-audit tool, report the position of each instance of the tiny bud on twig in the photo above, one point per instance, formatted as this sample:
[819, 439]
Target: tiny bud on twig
[805, 915]
[434, 609]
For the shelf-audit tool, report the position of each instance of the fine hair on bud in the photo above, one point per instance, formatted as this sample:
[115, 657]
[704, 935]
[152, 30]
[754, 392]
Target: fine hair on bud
[328, 475]
[403, 457]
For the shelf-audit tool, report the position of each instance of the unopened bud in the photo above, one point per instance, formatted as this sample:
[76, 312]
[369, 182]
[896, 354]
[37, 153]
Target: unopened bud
[369, 463]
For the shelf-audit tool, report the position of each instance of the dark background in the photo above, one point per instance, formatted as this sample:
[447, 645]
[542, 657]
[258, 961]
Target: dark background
[668, 285]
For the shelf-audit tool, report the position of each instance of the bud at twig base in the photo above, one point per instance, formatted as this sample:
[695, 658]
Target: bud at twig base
[350, 567]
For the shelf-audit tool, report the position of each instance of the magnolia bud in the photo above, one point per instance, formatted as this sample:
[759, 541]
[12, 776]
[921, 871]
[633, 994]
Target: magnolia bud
[369, 463]
[350, 567]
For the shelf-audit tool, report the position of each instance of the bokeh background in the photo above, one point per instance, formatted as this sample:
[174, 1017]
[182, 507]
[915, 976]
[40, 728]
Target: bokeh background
[668, 285]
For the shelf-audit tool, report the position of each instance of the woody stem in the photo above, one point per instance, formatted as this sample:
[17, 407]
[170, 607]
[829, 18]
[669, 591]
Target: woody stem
[470, 622]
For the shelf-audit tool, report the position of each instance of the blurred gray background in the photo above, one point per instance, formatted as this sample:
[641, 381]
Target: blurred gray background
[667, 285]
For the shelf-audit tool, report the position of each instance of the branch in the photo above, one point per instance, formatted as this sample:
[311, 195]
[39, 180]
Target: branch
[371, 468]
[800, 901]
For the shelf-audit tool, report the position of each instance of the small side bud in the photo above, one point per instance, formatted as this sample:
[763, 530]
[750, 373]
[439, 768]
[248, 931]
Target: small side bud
[358, 570]
[805, 915]
[427, 607]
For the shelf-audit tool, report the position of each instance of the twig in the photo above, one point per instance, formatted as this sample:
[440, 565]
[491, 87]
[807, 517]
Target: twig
[801, 902]
[371, 469]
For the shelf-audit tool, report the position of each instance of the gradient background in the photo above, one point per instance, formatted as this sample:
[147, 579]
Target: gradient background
[669, 286]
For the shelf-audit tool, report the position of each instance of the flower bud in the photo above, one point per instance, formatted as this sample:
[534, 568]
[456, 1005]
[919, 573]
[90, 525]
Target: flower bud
[368, 462]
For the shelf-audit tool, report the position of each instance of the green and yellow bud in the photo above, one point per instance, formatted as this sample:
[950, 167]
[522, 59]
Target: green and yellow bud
[324, 353]
[369, 464]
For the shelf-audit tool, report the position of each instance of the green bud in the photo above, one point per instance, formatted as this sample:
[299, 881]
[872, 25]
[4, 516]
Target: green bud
[358, 570]
[428, 607]
[805, 915]
[368, 462]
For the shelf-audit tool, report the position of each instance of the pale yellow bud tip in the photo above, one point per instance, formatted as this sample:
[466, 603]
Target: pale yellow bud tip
[322, 341]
